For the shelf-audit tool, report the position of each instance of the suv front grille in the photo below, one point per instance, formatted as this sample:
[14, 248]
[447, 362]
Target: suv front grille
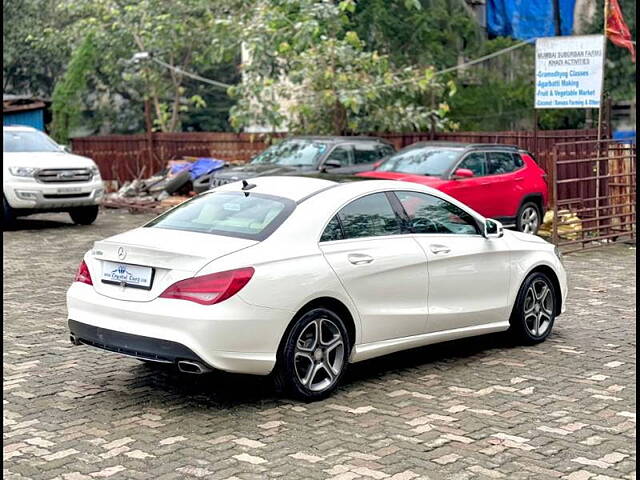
[66, 175]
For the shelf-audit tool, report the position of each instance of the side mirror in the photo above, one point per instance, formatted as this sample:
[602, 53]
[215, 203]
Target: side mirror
[492, 229]
[462, 173]
[329, 164]
[65, 148]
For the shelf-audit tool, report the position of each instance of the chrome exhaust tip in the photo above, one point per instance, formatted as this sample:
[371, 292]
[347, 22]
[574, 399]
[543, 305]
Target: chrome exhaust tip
[186, 366]
[74, 340]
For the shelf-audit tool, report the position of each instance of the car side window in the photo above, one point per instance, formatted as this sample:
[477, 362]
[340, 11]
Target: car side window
[333, 231]
[476, 163]
[369, 216]
[342, 154]
[518, 160]
[429, 214]
[364, 153]
[384, 151]
[500, 163]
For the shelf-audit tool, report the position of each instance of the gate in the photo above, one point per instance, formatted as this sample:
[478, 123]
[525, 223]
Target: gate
[593, 193]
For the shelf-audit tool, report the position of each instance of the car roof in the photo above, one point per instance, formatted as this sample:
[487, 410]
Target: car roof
[337, 138]
[291, 187]
[462, 145]
[19, 128]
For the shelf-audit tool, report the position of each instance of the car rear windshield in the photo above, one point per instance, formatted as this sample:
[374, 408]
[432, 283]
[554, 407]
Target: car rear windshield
[17, 141]
[432, 161]
[247, 215]
[294, 153]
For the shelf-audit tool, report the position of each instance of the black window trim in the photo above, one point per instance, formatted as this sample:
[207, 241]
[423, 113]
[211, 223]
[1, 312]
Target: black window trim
[465, 155]
[405, 215]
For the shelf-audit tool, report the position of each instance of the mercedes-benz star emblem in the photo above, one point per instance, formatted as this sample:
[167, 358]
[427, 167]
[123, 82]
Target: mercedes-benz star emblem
[122, 253]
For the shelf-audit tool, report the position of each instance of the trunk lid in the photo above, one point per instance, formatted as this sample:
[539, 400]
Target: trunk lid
[173, 254]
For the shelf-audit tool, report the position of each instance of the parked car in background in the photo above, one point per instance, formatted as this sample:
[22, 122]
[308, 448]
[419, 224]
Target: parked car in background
[301, 276]
[498, 181]
[41, 176]
[302, 154]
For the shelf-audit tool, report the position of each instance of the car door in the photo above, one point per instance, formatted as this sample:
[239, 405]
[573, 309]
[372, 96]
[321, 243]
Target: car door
[472, 191]
[468, 274]
[381, 267]
[502, 181]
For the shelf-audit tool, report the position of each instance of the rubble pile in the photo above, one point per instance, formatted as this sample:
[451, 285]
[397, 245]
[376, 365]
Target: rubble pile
[178, 181]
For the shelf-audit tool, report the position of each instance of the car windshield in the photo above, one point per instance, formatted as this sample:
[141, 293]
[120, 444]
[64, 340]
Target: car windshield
[17, 141]
[235, 214]
[298, 152]
[433, 161]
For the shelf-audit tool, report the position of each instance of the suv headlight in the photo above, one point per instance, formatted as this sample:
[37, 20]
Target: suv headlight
[23, 171]
[95, 172]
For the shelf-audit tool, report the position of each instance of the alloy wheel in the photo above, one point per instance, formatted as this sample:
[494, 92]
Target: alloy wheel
[538, 308]
[529, 220]
[319, 354]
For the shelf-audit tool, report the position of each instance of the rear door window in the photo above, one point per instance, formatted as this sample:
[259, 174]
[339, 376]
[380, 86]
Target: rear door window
[365, 153]
[500, 163]
[369, 216]
[253, 216]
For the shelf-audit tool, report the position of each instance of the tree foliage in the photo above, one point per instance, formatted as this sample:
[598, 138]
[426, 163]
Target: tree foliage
[308, 71]
[67, 97]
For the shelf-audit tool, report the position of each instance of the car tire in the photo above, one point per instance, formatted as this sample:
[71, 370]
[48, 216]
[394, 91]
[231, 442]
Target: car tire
[176, 183]
[8, 217]
[529, 218]
[84, 215]
[201, 184]
[314, 356]
[533, 314]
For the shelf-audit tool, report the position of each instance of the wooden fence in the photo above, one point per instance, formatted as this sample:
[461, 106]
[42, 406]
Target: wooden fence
[124, 157]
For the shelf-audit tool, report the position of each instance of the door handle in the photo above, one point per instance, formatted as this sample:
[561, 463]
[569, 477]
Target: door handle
[359, 258]
[519, 179]
[439, 249]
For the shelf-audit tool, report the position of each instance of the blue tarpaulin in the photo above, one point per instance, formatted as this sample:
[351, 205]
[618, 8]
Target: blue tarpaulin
[527, 19]
[200, 167]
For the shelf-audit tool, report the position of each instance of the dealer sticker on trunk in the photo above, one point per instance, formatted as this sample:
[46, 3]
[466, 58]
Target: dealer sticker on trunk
[127, 275]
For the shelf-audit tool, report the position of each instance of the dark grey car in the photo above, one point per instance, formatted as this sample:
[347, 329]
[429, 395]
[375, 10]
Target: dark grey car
[305, 154]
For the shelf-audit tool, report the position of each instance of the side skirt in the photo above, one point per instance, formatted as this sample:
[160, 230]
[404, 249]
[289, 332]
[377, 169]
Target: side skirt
[377, 349]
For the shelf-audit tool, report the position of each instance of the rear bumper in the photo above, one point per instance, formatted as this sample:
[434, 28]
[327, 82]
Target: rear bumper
[233, 336]
[146, 348]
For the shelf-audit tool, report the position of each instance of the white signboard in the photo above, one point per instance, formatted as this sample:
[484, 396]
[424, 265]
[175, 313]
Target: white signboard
[569, 71]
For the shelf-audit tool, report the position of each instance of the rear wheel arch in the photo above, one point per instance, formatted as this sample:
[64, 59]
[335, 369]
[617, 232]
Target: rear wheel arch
[329, 303]
[535, 198]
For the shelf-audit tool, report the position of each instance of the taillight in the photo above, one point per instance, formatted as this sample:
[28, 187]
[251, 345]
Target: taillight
[210, 289]
[83, 275]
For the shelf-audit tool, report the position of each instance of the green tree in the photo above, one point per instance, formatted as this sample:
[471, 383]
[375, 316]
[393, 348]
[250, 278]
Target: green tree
[308, 71]
[67, 98]
[181, 33]
[33, 52]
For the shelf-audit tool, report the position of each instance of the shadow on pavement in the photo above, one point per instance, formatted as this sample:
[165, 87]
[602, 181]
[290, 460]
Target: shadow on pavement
[39, 224]
[224, 390]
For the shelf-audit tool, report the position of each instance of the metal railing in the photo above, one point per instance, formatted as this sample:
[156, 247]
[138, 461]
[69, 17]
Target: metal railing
[593, 193]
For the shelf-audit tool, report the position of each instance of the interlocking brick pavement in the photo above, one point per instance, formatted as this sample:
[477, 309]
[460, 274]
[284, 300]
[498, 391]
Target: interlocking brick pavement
[478, 408]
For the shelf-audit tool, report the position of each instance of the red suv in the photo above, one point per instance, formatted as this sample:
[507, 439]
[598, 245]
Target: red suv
[498, 181]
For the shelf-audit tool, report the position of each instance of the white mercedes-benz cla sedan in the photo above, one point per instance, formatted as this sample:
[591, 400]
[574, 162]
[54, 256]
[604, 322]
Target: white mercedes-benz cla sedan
[301, 276]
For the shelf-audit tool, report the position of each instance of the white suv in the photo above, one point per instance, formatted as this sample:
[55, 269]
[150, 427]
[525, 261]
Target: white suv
[38, 176]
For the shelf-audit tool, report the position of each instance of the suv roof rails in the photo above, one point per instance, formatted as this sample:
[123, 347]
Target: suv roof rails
[494, 145]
